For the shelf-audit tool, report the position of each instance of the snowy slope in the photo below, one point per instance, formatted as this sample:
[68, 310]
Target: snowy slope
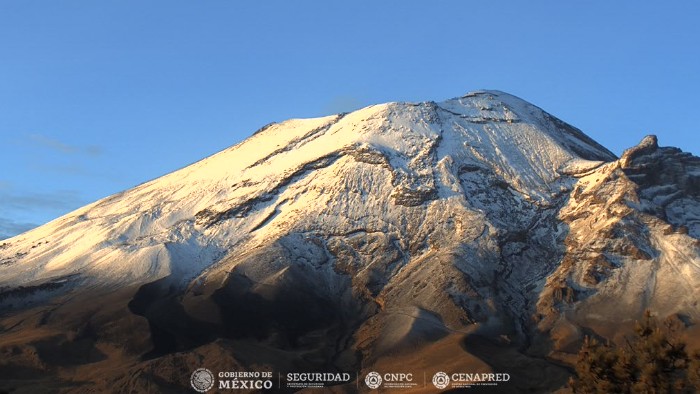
[153, 230]
[338, 243]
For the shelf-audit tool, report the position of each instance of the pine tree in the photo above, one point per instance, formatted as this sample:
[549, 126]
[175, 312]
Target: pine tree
[653, 361]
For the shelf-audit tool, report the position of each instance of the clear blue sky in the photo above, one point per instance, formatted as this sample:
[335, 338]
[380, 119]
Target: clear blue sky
[99, 96]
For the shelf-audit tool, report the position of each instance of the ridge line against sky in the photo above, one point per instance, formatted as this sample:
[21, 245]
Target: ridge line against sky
[98, 97]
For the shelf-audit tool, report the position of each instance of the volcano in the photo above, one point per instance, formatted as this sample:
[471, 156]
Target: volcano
[479, 234]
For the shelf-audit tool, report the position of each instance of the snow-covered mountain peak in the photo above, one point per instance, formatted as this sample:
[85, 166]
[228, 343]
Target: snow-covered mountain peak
[338, 242]
[422, 148]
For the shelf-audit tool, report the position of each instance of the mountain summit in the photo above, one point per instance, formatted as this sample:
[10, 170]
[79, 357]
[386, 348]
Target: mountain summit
[475, 234]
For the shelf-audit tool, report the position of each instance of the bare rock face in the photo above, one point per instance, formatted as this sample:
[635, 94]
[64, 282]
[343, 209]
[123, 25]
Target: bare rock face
[668, 183]
[647, 146]
[479, 233]
[631, 245]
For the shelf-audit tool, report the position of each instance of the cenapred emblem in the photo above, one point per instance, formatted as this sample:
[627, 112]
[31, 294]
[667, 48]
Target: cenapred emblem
[373, 380]
[441, 380]
[202, 380]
